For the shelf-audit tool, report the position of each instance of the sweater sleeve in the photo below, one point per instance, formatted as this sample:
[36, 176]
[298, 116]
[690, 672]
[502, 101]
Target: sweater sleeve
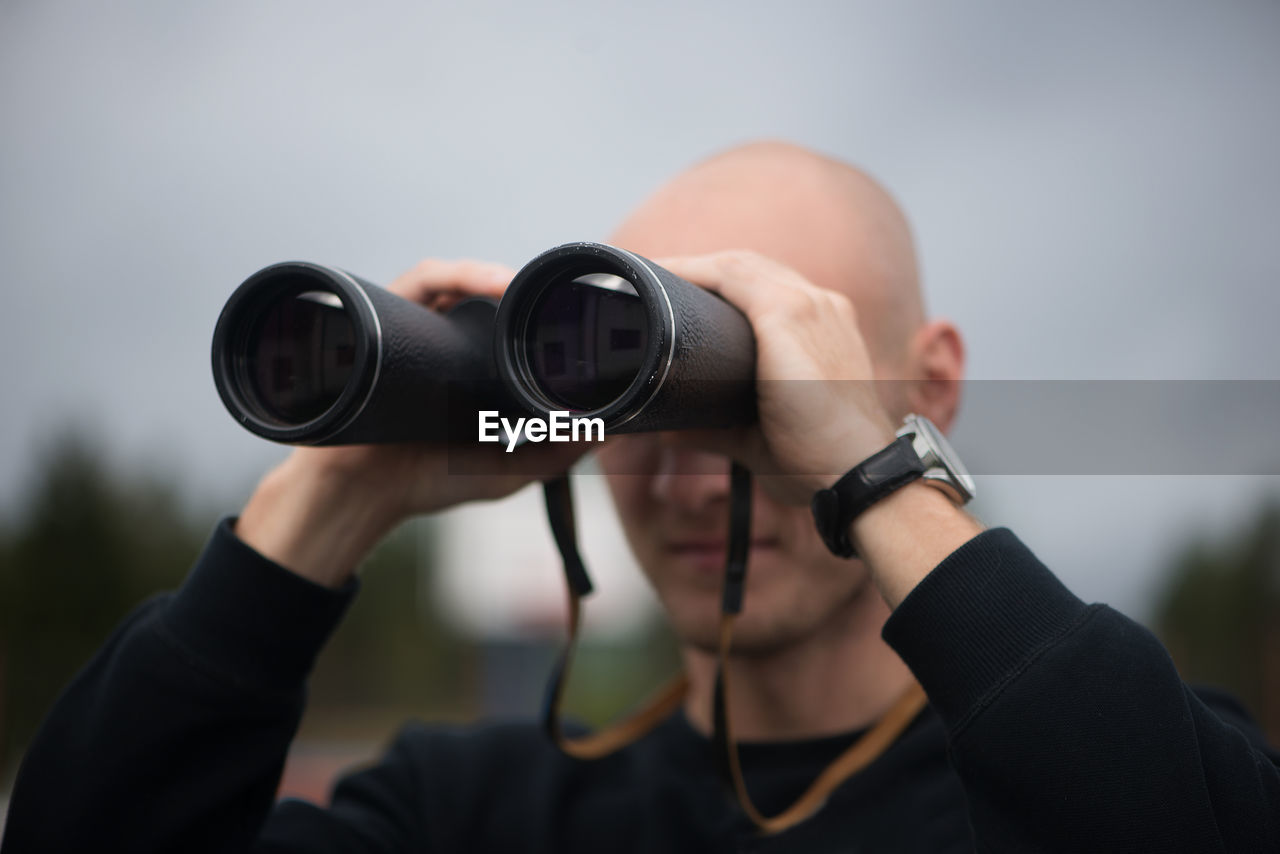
[174, 735]
[1069, 725]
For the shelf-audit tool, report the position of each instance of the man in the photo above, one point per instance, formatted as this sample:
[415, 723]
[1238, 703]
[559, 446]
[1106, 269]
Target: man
[1051, 726]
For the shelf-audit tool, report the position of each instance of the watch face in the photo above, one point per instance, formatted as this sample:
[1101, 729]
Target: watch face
[938, 453]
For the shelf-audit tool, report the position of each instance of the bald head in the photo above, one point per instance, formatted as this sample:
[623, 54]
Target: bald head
[826, 219]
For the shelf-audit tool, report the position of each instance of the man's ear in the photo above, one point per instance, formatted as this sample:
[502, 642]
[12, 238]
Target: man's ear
[936, 368]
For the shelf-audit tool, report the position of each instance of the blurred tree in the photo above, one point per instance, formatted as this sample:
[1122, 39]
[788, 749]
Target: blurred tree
[86, 547]
[390, 651]
[1220, 615]
[609, 679]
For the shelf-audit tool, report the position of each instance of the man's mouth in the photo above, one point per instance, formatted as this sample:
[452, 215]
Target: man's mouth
[709, 553]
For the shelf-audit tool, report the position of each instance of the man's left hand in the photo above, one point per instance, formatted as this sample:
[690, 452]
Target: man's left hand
[819, 413]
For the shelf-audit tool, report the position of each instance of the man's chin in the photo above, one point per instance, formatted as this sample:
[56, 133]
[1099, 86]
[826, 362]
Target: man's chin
[747, 641]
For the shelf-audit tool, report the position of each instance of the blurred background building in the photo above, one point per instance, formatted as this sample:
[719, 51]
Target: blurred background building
[1094, 189]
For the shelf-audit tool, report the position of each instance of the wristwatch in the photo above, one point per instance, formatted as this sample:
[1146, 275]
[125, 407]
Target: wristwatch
[919, 451]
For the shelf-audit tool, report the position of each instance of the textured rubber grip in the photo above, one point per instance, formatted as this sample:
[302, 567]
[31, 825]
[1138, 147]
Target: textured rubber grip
[436, 370]
[711, 381]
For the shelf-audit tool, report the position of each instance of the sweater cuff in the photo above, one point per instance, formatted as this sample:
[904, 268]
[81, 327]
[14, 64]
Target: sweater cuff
[977, 620]
[251, 619]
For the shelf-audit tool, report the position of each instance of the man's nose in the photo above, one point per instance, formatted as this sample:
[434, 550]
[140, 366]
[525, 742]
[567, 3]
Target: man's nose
[689, 479]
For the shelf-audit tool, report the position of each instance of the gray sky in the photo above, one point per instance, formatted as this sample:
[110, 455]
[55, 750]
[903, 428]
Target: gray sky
[1094, 186]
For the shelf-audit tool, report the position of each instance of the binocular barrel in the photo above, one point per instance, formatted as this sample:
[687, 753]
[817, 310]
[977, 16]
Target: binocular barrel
[306, 354]
[312, 355]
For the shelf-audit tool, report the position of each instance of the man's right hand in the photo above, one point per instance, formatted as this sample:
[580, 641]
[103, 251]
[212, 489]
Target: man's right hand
[323, 509]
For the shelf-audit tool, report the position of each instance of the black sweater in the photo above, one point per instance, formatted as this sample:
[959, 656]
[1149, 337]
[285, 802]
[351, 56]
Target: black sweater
[1053, 726]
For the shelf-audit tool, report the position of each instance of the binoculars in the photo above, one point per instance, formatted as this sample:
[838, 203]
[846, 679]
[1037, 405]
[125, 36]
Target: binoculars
[307, 354]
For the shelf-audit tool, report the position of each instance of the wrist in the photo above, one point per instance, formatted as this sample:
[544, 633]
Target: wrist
[904, 536]
[308, 518]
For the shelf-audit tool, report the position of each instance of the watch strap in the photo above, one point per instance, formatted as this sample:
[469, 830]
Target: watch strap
[866, 483]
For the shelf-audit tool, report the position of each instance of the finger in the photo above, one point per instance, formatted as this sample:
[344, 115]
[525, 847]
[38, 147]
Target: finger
[436, 280]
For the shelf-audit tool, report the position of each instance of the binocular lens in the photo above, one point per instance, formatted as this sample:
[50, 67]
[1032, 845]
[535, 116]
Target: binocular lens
[312, 355]
[585, 339]
[300, 356]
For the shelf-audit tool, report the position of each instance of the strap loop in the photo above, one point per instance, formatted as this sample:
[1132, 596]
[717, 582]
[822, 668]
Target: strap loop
[559, 501]
[735, 568]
